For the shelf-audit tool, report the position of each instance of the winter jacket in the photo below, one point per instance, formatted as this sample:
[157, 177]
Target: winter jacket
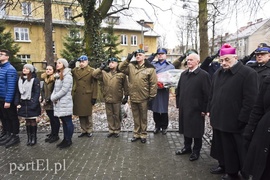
[29, 108]
[115, 85]
[61, 96]
[8, 82]
[142, 80]
[47, 90]
[84, 90]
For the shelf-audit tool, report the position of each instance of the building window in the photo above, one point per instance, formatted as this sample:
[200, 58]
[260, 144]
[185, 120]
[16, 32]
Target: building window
[26, 8]
[24, 57]
[21, 34]
[123, 39]
[133, 40]
[67, 12]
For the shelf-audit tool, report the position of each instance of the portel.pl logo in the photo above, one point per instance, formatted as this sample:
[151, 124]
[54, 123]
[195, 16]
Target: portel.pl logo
[38, 165]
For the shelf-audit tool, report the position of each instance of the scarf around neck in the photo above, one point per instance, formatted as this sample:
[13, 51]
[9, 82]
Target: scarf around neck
[25, 88]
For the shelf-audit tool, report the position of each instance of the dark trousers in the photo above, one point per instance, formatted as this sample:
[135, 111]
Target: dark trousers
[55, 123]
[233, 150]
[68, 127]
[197, 144]
[9, 118]
[217, 148]
[161, 120]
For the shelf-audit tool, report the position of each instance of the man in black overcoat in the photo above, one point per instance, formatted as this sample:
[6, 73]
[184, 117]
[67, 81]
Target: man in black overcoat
[192, 95]
[233, 94]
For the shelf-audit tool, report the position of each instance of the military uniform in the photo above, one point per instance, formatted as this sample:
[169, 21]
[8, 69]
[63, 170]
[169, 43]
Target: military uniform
[114, 87]
[84, 90]
[142, 87]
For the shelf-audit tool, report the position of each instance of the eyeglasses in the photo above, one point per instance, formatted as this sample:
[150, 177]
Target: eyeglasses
[1, 54]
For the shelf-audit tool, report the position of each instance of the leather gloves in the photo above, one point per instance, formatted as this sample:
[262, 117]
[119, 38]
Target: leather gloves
[124, 100]
[102, 66]
[93, 101]
[181, 58]
[130, 56]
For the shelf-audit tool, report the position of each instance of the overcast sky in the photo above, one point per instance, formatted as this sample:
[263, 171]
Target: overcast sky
[165, 20]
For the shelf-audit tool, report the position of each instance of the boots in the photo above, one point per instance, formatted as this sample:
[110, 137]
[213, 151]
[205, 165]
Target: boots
[33, 135]
[14, 140]
[28, 130]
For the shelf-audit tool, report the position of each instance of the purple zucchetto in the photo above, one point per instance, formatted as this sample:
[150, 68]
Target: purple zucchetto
[227, 49]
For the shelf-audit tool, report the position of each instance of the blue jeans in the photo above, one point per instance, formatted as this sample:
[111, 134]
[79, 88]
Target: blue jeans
[68, 127]
[54, 121]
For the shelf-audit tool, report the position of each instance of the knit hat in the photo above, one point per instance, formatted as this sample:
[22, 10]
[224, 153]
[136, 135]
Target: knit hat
[161, 51]
[30, 67]
[83, 58]
[227, 49]
[63, 61]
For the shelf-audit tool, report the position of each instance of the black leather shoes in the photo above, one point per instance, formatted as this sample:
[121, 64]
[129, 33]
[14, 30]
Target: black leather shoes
[133, 139]
[194, 156]
[217, 170]
[156, 130]
[116, 135]
[53, 139]
[82, 134]
[143, 140]
[89, 134]
[110, 135]
[183, 151]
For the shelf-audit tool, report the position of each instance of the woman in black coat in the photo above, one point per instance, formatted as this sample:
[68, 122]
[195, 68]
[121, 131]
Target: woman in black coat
[257, 132]
[27, 101]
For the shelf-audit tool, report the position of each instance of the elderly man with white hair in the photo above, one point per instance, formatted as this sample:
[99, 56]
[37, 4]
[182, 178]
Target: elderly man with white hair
[191, 99]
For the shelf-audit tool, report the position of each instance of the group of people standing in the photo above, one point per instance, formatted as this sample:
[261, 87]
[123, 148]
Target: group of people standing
[235, 98]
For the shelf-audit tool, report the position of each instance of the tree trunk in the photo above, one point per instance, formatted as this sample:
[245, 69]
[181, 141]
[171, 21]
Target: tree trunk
[93, 33]
[203, 28]
[49, 57]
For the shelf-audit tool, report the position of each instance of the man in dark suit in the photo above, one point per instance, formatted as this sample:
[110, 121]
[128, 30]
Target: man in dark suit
[191, 99]
[233, 93]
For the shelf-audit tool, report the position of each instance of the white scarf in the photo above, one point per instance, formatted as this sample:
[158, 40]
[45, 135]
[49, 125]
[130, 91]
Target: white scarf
[25, 88]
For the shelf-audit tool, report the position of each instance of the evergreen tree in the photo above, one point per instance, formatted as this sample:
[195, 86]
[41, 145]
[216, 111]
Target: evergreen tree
[110, 43]
[7, 42]
[74, 45]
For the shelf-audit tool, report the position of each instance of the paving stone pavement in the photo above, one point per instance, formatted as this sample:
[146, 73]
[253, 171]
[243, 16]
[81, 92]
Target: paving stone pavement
[102, 158]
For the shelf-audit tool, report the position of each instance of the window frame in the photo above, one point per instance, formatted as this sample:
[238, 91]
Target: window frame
[123, 38]
[67, 13]
[26, 8]
[23, 34]
[24, 57]
[132, 39]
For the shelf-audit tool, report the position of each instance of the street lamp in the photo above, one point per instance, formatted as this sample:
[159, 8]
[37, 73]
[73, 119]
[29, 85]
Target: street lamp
[142, 36]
